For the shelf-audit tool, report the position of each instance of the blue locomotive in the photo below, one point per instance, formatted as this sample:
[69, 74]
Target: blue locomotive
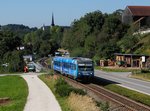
[77, 67]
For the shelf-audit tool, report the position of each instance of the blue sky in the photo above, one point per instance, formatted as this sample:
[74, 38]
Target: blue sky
[35, 13]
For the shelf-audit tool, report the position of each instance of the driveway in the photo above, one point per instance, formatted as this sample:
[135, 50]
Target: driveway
[40, 97]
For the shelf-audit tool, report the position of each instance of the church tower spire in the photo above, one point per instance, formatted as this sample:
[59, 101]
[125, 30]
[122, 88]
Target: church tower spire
[52, 20]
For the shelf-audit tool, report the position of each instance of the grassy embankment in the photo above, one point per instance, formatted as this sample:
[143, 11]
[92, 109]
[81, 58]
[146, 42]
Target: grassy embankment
[142, 76]
[16, 90]
[136, 73]
[119, 69]
[69, 98]
[139, 97]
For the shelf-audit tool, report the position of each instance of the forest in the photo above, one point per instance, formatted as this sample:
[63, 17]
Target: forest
[95, 35]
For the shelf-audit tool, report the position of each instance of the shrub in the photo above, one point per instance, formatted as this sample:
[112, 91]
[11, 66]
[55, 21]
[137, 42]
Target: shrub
[79, 91]
[104, 106]
[59, 82]
[145, 71]
[51, 72]
[63, 90]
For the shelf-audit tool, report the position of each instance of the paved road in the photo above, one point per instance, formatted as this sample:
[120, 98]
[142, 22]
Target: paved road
[40, 98]
[38, 66]
[123, 80]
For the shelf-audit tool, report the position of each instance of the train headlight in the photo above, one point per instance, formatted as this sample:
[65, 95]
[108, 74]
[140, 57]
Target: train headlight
[91, 73]
[79, 73]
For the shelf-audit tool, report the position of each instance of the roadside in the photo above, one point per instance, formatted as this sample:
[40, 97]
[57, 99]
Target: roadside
[141, 76]
[118, 82]
[136, 73]
[122, 79]
[117, 69]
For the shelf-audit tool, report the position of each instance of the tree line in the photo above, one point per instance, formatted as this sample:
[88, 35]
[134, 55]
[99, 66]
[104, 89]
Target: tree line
[96, 35]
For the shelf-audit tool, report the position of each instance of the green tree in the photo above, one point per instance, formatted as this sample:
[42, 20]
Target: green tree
[14, 60]
[90, 46]
[45, 48]
[127, 43]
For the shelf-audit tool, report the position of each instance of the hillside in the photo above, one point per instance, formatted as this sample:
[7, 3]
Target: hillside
[143, 46]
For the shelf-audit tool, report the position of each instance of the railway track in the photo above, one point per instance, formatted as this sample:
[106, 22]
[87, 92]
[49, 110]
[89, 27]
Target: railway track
[42, 62]
[122, 102]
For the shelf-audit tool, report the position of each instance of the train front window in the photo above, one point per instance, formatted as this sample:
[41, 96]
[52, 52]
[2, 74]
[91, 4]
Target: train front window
[85, 68]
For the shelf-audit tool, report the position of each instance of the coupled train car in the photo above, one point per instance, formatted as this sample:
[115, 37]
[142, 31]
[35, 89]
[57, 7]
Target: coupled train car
[78, 68]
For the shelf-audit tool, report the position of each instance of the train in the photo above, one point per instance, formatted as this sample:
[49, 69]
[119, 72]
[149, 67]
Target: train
[76, 67]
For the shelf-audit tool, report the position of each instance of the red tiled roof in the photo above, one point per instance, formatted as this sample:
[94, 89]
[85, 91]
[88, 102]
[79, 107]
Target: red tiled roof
[139, 10]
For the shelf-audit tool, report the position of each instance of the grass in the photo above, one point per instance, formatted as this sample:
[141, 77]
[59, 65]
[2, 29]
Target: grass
[142, 76]
[16, 89]
[107, 69]
[82, 103]
[11, 73]
[139, 97]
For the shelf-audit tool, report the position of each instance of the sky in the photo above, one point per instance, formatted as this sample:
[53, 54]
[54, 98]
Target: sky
[35, 13]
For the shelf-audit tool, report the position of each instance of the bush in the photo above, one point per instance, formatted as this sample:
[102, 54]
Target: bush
[145, 71]
[64, 89]
[103, 105]
[59, 82]
[79, 91]
[51, 72]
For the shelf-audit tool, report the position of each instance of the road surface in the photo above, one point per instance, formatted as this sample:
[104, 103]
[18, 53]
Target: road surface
[122, 79]
[40, 98]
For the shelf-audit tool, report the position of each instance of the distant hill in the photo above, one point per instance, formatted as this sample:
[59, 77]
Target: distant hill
[18, 29]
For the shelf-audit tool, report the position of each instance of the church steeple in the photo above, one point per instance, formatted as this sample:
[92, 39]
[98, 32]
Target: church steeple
[52, 20]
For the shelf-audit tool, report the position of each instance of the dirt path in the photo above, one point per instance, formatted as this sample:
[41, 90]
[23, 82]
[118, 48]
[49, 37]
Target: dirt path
[40, 98]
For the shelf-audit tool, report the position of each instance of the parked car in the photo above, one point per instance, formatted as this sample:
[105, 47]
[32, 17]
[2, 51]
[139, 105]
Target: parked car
[31, 67]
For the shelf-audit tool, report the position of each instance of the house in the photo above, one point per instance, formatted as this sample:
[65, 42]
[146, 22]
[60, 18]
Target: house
[28, 58]
[131, 60]
[62, 52]
[139, 15]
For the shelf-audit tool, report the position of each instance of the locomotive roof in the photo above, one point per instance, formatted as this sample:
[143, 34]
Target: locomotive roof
[79, 59]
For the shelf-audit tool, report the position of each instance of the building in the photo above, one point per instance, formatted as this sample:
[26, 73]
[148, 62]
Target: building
[28, 58]
[139, 15]
[131, 60]
[62, 52]
[52, 24]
